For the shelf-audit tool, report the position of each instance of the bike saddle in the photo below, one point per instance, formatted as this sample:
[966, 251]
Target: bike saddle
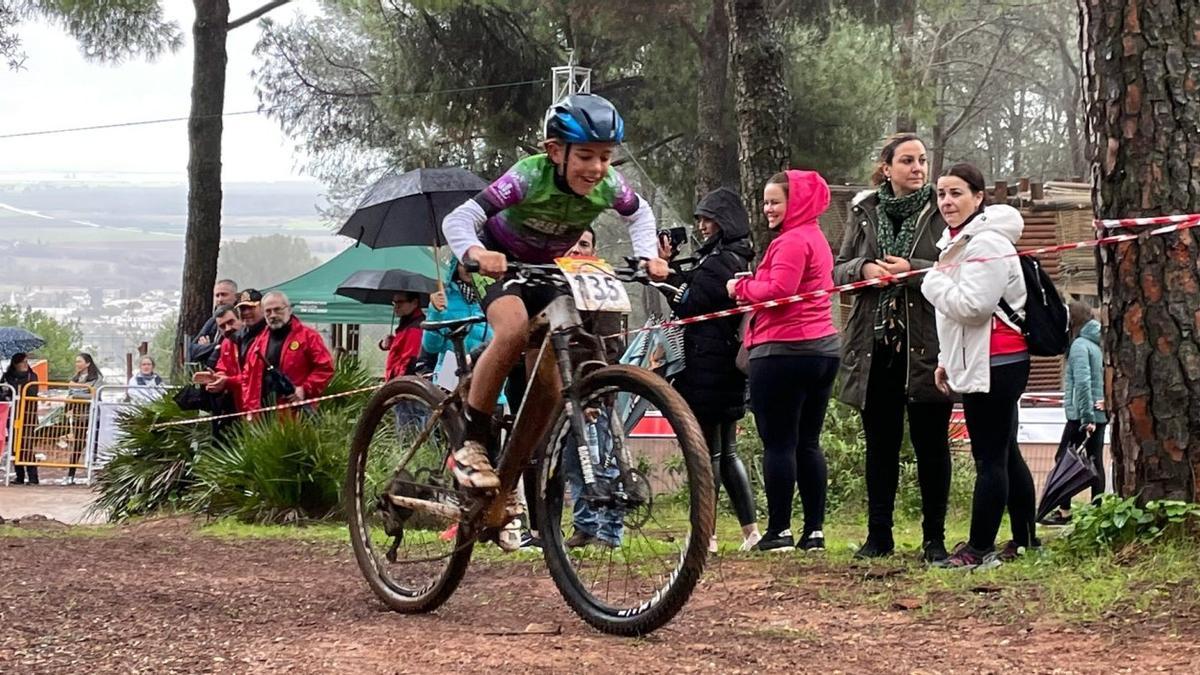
[454, 326]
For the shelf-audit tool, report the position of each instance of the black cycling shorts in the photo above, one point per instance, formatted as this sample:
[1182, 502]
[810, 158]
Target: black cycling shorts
[535, 296]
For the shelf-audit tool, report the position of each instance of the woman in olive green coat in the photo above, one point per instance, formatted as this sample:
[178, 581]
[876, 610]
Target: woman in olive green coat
[890, 345]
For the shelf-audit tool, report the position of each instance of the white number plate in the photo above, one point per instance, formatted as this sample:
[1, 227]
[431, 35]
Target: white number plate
[594, 286]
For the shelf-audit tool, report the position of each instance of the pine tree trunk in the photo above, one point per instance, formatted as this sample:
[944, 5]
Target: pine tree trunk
[762, 102]
[716, 140]
[203, 239]
[1142, 103]
[902, 72]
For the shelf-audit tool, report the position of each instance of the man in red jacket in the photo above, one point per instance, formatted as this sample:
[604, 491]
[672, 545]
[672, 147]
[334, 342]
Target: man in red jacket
[404, 346]
[289, 349]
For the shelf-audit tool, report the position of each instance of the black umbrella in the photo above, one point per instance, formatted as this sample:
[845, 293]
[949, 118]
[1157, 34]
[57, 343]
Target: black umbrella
[407, 209]
[17, 341]
[375, 287]
[1073, 473]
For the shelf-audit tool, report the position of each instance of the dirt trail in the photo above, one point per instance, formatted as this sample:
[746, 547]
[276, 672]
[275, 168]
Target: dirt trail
[163, 599]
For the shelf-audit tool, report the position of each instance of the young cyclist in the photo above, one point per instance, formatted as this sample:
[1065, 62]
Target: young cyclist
[535, 213]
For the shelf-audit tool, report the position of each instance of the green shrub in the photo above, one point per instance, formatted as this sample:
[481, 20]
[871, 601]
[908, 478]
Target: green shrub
[284, 467]
[275, 468]
[151, 469]
[1115, 524]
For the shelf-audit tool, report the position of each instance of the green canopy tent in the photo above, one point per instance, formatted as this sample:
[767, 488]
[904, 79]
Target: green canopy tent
[312, 293]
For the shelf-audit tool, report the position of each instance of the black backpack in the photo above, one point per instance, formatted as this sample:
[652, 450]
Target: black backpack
[1045, 324]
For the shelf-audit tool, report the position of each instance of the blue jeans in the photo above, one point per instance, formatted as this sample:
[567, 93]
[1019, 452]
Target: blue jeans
[410, 415]
[601, 522]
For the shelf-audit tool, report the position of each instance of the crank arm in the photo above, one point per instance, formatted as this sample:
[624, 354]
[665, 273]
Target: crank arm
[446, 511]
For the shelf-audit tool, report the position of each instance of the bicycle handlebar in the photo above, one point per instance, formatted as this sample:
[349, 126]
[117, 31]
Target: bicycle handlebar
[634, 272]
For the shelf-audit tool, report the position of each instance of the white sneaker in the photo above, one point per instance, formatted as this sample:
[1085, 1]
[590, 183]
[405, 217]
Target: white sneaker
[749, 542]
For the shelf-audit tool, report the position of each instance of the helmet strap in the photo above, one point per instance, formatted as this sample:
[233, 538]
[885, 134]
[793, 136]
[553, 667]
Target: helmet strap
[560, 172]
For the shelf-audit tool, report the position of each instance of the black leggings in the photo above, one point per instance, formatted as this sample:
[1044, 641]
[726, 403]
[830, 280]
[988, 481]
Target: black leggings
[727, 468]
[789, 395]
[883, 425]
[1073, 435]
[1001, 475]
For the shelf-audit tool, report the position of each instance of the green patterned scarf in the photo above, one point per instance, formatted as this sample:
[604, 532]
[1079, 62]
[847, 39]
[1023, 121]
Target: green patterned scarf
[890, 329]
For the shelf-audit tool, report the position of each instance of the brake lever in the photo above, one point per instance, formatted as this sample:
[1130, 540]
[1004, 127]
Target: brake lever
[675, 290]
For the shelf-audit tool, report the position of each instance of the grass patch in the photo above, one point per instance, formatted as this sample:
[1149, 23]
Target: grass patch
[1046, 584]
[333, 532]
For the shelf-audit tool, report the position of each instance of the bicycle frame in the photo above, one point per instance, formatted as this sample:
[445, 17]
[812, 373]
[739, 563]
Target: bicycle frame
[551, 376]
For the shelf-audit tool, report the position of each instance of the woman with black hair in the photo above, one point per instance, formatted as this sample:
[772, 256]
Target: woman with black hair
[891, 347]
[18, 375]
[88, 376]
[984, 357]
[711, 382]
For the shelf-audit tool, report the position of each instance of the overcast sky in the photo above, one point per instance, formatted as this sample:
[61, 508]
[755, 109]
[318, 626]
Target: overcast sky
[57, 89]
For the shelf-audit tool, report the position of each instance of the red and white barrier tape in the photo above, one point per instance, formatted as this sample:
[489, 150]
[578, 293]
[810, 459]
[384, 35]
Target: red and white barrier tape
[1143, 222]
[281, 406]
[1033, 398]
[1173, 224]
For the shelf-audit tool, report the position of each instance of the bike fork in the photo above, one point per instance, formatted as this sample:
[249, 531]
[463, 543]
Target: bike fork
[574, 407]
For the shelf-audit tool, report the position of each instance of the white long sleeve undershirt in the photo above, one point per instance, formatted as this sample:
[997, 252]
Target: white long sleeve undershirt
[461, 229]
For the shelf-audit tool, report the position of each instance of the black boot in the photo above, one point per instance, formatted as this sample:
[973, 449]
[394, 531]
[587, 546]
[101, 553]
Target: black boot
[879, 544]
[934, 551]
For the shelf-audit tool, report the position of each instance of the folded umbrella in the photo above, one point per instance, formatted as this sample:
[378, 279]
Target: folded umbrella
[1073, 473]
[376, 287]
[17, 341]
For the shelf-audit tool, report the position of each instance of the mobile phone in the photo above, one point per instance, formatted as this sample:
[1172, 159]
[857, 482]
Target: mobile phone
[675, 235]
[739, 275]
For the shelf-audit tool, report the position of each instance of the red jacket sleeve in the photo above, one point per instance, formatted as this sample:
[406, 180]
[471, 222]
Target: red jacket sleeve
[227, 365]
[322, 365]
[406, 347]
[778, 278]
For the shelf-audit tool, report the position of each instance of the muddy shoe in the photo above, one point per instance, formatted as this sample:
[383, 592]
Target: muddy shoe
[579, 539]
[471, 467]
[509, 538]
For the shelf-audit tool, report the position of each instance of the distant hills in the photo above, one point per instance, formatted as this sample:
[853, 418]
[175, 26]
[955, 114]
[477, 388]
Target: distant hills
[130, 236]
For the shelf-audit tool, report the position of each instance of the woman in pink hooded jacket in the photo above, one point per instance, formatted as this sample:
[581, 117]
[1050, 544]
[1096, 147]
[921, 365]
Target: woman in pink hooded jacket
[794, 353]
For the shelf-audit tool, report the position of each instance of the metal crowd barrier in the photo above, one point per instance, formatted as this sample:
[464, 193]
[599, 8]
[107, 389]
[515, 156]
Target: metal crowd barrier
[108, 401]
[67, 425]
[53, 428]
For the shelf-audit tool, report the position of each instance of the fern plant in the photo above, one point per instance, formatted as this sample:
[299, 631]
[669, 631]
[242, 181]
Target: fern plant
[151, 468]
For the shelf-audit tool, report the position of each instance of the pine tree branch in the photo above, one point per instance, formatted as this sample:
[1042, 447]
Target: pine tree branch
[237, 23]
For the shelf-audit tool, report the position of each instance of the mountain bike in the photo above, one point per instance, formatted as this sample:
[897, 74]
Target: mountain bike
[640, 465]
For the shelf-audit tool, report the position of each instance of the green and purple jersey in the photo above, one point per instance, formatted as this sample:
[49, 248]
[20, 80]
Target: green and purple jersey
[532, 219]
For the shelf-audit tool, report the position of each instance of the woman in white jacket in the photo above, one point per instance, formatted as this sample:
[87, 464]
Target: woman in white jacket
[983, 357]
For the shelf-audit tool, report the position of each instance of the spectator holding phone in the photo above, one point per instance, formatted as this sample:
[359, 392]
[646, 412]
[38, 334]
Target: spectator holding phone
[710, 381]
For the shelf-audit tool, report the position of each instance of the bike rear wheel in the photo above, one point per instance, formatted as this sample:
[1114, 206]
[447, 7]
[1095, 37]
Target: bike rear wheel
[645, 555]
[412, 561]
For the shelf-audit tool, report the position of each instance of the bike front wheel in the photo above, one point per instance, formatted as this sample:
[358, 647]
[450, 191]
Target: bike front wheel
[627, 551]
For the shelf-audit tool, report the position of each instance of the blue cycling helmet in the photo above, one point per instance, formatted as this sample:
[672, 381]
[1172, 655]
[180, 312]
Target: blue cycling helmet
[585, 118]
